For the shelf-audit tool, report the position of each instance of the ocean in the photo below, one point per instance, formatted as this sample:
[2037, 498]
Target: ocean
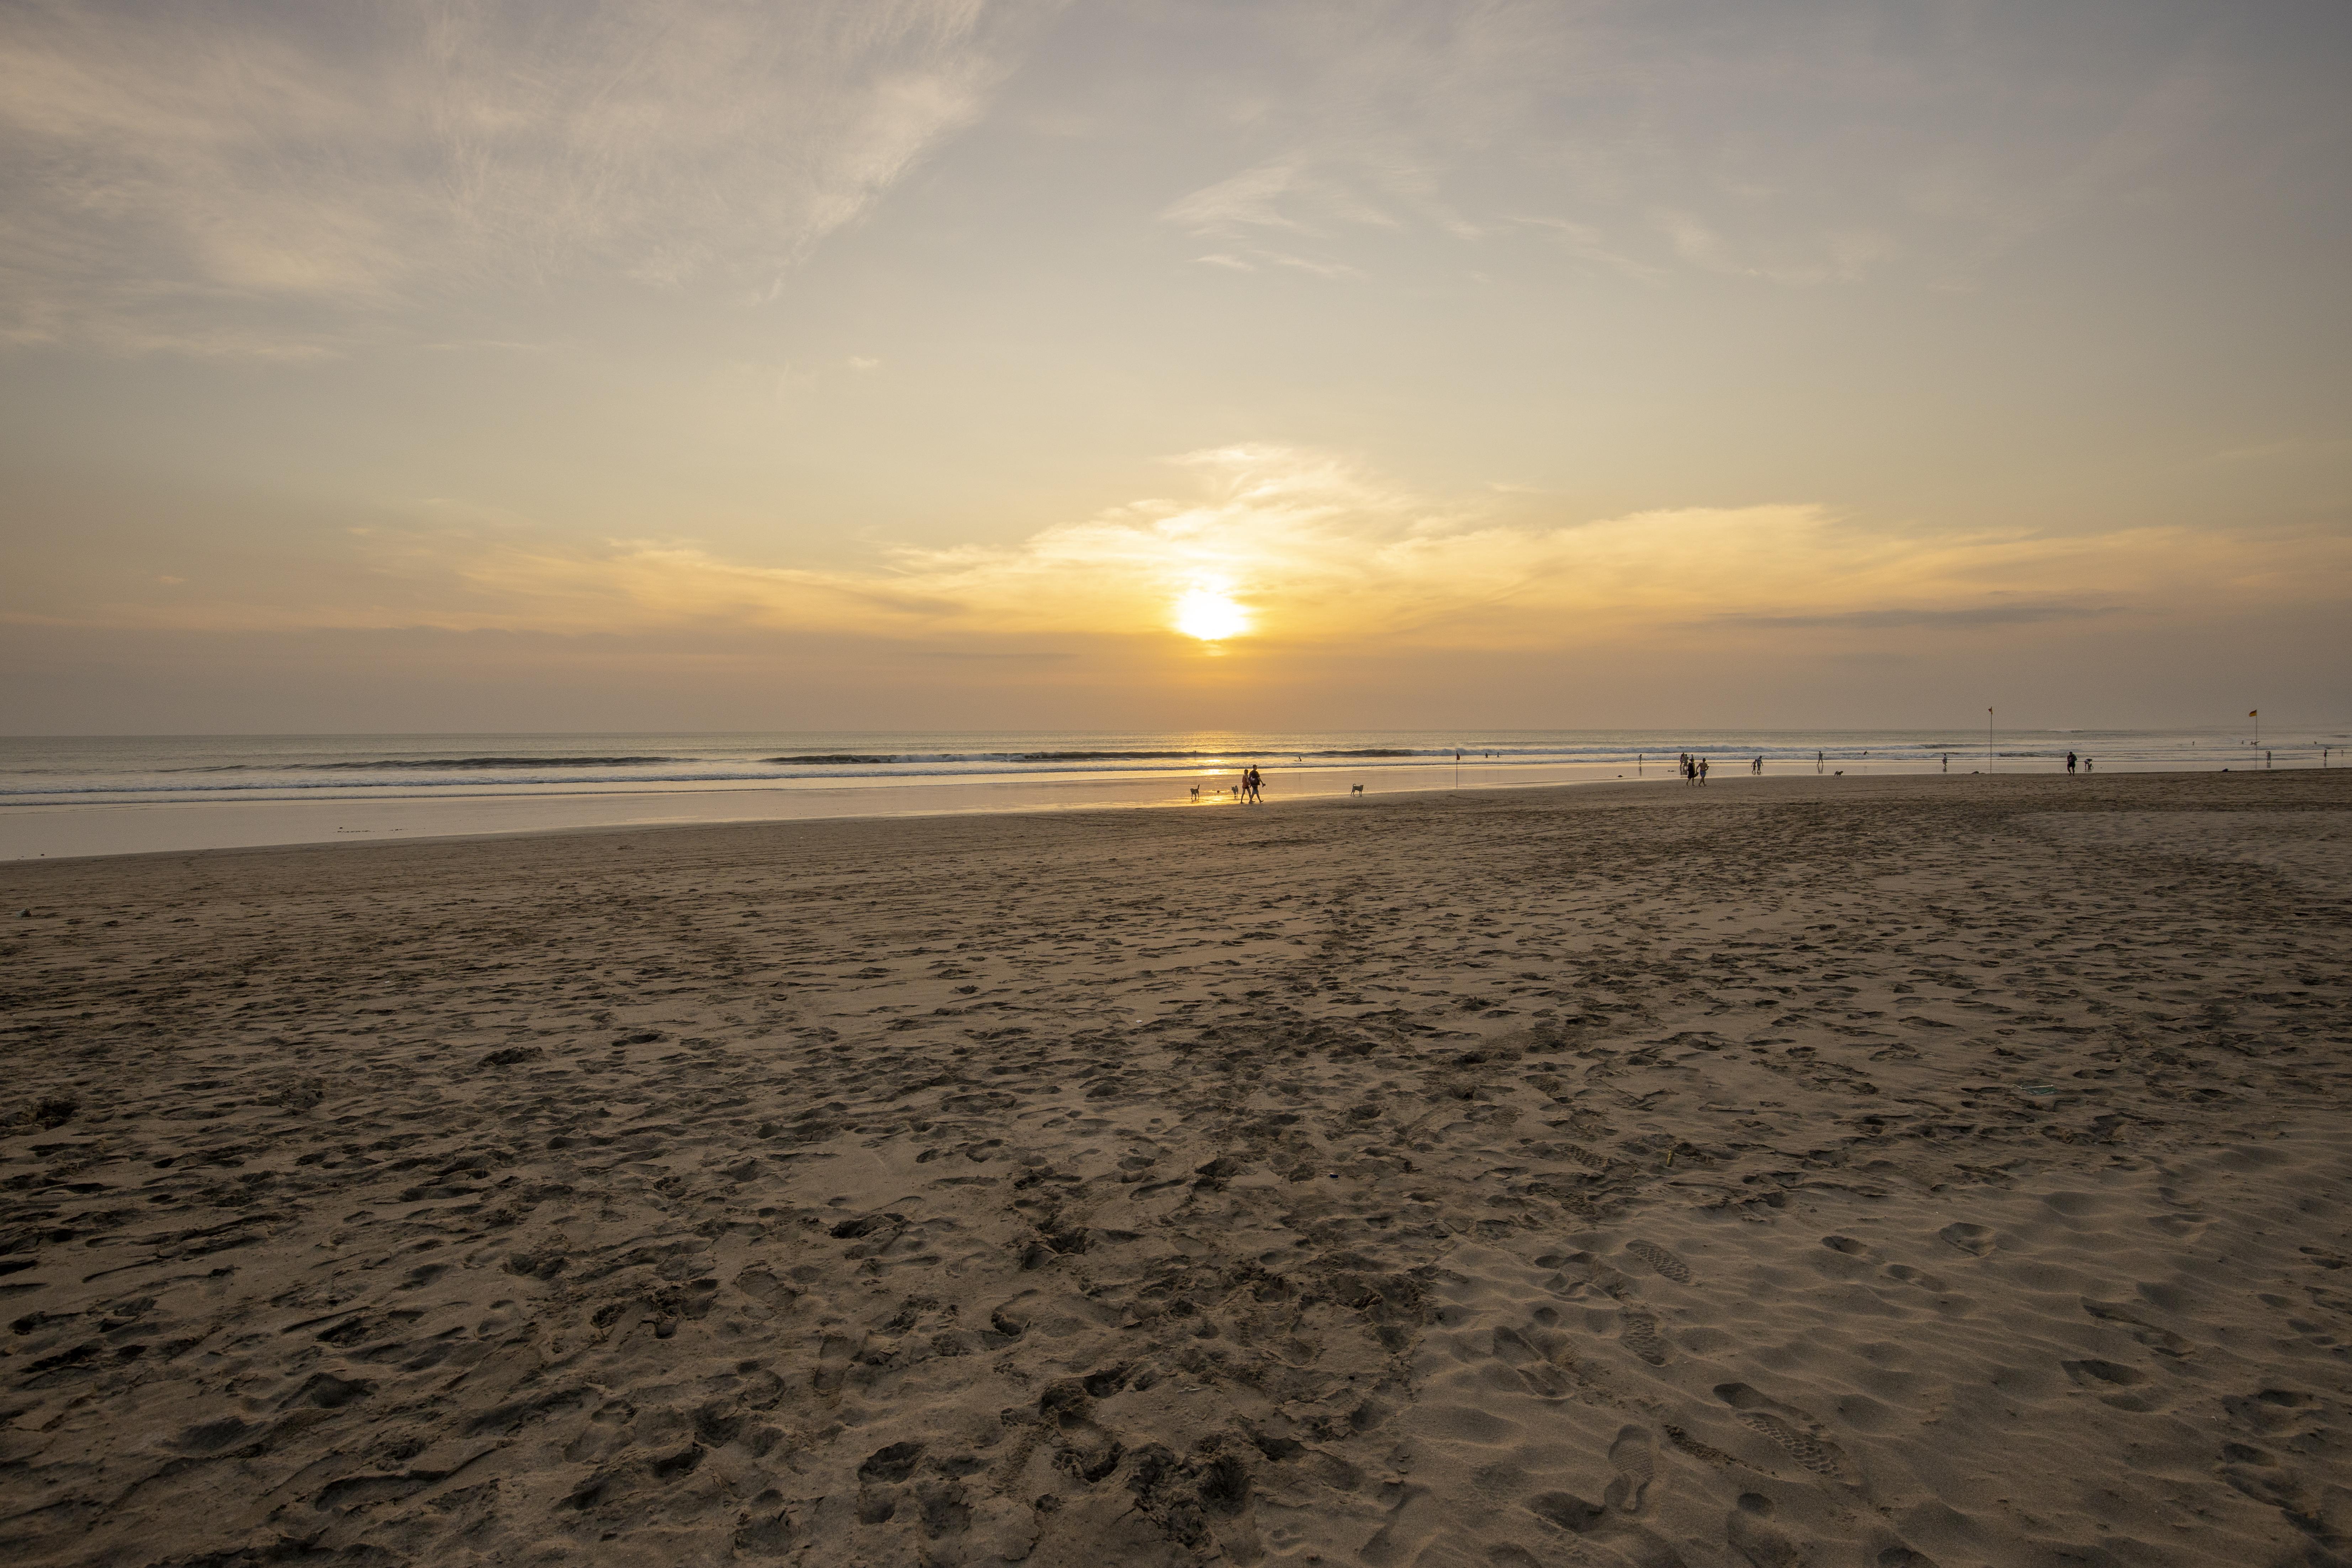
[82, 796]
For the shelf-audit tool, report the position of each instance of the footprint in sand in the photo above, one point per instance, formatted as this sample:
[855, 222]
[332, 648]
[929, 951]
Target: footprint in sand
[761, 1285]
[1533, 1367]
[1976, 1240]
[1635, 1457]
[1659, 1259]
[1910, 1275]
[1681, 1438]
[1755, 1537]
[1415, 1518]
[2162, 1341]
[831, 1366]
[2102, 1375]
[1084, 1450]
[1790, 1427]
[1567, 1510]
[2268, 1410]
[1602, 1275]
[1640, 1333]
[880, 1479]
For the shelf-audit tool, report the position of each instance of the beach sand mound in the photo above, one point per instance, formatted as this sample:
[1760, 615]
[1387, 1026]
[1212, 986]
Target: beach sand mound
[1871, 1172]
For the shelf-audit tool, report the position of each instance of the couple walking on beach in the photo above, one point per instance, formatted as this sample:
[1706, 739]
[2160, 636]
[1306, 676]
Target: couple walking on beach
[1253, 784]
[1693, 769]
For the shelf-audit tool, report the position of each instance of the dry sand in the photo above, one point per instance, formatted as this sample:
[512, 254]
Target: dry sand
[1838, 1172]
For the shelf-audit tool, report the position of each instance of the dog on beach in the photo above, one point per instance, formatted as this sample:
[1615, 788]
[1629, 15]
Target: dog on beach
[1357, 789]
[1196, 792]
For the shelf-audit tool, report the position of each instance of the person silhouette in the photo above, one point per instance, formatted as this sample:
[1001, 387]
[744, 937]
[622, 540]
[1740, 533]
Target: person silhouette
[2070, 765]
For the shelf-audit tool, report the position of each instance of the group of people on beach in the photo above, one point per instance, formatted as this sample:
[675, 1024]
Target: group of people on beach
[1693, 769]
[2070, 763]
[1253, 784]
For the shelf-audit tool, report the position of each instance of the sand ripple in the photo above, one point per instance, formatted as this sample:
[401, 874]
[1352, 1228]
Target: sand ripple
[1913, 1172]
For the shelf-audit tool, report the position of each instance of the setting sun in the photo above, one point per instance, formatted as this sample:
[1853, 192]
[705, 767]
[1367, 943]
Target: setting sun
[1210, 614]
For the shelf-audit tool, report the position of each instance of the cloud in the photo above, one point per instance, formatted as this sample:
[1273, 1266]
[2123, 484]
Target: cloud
[1250, 199]
[1924, 617]
[1316, 551]
[1801, 146]
[244, 179]
[1285, 201]
[1586, 244]
[1799, 260]
[2145, 134]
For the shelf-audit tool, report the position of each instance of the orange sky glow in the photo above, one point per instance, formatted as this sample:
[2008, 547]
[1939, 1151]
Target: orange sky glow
[911, 362]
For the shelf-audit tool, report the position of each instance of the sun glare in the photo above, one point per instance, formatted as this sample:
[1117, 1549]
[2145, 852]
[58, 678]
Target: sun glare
[1210, 614]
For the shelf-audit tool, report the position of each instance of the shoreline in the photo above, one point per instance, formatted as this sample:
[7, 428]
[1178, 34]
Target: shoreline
[259, 837]
[1883, 1171]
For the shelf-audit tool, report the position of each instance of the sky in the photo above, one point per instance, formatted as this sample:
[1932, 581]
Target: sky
[952, 363]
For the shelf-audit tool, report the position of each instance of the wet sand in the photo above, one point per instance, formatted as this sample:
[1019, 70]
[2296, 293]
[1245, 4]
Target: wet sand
[1872, 1172]
[86, 828]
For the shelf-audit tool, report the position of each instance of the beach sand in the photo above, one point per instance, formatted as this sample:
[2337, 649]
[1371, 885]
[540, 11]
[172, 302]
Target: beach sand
[1870, 1172]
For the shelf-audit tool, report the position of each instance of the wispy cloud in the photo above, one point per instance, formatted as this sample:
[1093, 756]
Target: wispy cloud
[1926, 617]
[1801, 146]
[248, 179]
[2152, 126]
[1801, 260]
